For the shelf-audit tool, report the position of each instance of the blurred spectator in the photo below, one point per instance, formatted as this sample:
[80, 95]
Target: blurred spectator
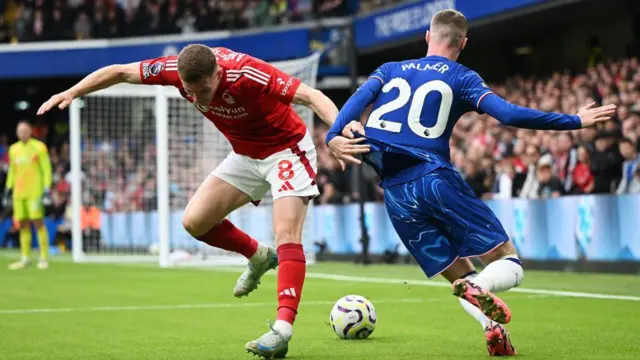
[630, 166]
[82, 27]
[606, 163]
[565, 159]
[4, 31]
[474, 178]
[530, 185]
[330, 8]
[582, 176]
[549, 186]
[504, 181]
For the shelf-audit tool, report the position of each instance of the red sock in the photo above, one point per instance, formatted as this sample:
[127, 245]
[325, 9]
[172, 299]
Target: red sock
[228, 237]
[292, 268]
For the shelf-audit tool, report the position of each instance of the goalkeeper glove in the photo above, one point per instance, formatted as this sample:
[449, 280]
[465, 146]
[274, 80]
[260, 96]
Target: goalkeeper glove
[46, 198]
[6, 200]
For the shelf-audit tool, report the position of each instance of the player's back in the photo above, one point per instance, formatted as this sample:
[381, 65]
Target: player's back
[415, 112]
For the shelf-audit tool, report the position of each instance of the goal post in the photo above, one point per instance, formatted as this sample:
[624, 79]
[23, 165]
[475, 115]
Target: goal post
[138, 153]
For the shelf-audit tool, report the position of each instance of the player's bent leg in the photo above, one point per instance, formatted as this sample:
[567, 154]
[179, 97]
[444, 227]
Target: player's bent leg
[204, 219]
[464, 269]
[472, 229]
[25, 241]
[43, 242]
[288, 220]
[504, 270]
[496, 336]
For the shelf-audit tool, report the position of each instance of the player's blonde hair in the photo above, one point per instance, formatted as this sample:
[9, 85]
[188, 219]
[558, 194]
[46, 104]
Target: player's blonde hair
[449, 26]
[196, 62]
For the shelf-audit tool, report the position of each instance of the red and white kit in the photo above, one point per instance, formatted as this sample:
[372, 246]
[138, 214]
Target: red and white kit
[252, 108]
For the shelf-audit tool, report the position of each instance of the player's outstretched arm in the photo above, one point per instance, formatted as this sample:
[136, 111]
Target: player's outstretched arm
[97, 80]
[317, 101]
[523, 117]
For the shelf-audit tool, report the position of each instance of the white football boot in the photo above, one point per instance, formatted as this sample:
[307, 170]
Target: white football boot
[270, 345]
[18, 265]
[265, 259]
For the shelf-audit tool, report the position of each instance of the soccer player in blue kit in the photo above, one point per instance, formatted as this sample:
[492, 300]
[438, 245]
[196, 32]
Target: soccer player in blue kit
[442, 223]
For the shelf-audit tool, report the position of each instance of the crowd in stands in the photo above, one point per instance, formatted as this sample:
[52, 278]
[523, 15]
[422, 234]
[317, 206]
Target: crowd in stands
[42, 20]
[501, 162]
[497, 161]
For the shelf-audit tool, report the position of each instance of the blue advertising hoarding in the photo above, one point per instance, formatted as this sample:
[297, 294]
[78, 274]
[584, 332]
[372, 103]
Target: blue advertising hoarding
[82, 57]
[598, 228]
[413, 18]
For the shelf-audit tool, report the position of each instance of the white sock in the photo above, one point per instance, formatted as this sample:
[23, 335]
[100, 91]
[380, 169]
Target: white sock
[25, 259]
[501, 275]
[284, 328]
[261, 254]
[475, 313]
[472, 310]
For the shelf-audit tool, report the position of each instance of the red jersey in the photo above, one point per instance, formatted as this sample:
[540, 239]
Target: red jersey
[251, 106]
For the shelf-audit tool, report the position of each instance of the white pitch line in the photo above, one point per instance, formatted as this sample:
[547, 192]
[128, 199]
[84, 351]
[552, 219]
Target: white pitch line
[377, 280]
[218, 306]
[192, 306]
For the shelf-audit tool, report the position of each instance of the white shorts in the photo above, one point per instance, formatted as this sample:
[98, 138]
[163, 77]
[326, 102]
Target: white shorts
[290, 172]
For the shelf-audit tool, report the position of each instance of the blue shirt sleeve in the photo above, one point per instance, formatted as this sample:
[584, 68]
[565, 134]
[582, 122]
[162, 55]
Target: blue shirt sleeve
[473, 89]
[357, 103]
[526, 118]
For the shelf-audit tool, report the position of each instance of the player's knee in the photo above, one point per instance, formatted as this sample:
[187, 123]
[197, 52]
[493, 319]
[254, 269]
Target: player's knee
[25, 224]
[286, 235]
[192, 224]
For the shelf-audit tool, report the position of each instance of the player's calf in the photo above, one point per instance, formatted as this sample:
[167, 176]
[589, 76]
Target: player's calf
[289, 214]
[504, 270]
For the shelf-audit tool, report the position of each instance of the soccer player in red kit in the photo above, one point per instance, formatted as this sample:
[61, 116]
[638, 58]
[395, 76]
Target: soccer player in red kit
[249, 101]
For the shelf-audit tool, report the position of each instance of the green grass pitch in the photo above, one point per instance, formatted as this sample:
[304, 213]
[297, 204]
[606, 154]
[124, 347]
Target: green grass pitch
[92, 311]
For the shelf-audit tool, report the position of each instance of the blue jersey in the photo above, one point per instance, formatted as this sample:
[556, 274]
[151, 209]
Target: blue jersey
[416, 104]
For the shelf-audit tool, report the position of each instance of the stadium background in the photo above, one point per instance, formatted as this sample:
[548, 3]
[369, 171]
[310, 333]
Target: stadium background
[554, 55]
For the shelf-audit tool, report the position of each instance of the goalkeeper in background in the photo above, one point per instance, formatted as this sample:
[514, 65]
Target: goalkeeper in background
[27, 188]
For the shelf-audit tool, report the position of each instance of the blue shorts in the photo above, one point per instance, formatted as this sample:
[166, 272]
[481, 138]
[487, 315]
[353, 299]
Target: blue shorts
[440, 219]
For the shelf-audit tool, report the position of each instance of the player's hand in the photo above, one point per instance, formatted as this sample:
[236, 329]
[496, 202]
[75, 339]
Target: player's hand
[590, 116]
[352, 128]
[344, 150]
[61, 100]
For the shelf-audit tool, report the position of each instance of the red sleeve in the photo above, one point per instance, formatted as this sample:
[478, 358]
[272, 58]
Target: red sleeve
[160, 71]
[269, 80]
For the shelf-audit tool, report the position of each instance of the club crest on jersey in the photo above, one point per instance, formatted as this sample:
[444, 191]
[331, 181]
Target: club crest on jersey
[228, 98]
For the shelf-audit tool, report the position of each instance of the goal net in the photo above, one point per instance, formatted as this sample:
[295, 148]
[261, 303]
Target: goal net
[138, 153]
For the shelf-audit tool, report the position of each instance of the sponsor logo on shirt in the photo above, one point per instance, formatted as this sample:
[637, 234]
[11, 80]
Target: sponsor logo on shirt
[286, 87]
[227, 56]
[145, 71]
[202, 108]
[223, 111]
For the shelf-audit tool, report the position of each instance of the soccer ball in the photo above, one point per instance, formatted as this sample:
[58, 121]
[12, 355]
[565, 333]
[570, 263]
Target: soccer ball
[353, 317]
